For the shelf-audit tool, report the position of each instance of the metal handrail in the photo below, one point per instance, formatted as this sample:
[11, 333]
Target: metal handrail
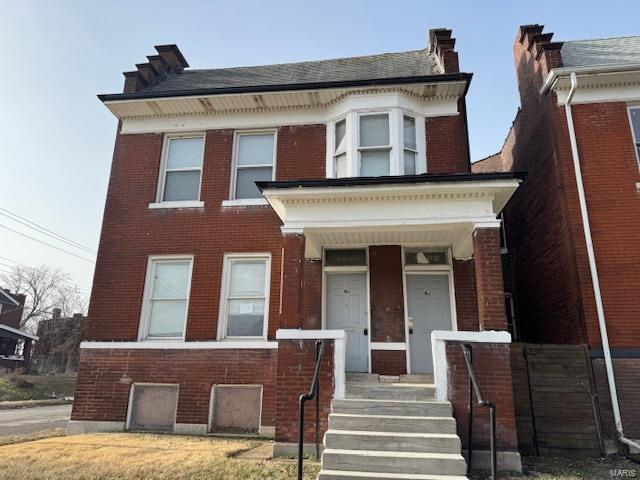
[473, 382]
[314, 392]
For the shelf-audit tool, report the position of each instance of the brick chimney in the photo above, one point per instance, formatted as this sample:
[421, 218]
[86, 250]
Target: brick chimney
[169, 60]
[441, 43]
[534, 55]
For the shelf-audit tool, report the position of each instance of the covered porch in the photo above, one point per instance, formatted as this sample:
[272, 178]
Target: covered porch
[389, 260]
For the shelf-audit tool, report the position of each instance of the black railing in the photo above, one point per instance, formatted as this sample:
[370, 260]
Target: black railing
[473, 386]
[314, 392]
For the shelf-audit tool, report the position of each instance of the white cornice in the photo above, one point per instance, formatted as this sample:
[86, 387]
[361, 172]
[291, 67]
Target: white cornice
[596, 85]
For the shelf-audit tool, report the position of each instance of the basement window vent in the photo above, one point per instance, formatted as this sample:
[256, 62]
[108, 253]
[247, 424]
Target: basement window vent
[153, 407]
[235, 409]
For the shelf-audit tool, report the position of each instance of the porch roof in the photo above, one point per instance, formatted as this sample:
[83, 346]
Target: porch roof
[406, 210]
[10, 332]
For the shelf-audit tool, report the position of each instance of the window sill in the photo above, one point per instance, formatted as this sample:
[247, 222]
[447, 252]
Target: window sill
[245, 202]
[185, 204]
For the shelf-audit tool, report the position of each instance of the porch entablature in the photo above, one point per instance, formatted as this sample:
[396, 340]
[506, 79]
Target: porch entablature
[407, 210]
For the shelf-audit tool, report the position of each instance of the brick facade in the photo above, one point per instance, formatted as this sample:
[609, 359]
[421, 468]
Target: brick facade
[489, 283]
[105, 378]
[296, 363]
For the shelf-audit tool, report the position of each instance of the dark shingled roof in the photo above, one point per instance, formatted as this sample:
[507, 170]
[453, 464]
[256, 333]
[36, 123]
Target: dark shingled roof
[601, 52]
[415, 63]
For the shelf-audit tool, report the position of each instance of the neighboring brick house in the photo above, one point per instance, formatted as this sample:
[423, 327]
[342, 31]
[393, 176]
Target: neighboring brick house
[15, 344]
[566, 288]
[253, 210]
[58, 347]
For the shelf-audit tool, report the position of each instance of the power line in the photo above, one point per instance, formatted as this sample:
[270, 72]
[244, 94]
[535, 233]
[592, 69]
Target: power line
[40, 229]
[47, 244]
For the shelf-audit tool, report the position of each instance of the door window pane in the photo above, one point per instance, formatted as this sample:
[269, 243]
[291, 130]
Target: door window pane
[374, 163]
[374, 130]
[185, 153]
[255, 149]
[246, 178]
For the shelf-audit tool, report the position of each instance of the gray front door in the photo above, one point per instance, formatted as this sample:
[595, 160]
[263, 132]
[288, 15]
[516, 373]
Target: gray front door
[429, 309]
[347, 310]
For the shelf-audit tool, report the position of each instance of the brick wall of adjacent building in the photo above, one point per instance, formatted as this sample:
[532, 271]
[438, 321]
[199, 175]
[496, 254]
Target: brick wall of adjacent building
[105, 377]
[296, 364]
[11, 315]
[492, 366]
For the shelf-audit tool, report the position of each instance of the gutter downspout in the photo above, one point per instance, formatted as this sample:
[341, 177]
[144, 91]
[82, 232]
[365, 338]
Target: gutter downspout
[594, 269]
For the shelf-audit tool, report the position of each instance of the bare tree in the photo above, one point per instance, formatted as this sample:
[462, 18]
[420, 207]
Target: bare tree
[46, 288]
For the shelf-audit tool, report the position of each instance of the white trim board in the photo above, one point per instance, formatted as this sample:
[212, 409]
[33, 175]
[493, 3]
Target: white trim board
[439, 339]
[388, 346]
[181, 345]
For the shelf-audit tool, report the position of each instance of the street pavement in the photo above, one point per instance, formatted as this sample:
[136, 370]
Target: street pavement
[28, 420]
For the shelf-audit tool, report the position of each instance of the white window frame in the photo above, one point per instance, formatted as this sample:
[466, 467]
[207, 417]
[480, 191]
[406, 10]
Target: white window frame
[233, 201]
[636, 141]
[162, 176]
[145, 311]
[396, 138]
[228, 260]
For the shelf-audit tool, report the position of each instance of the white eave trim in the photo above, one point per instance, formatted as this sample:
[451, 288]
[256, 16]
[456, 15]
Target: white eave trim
[18, 332]
[556, 73]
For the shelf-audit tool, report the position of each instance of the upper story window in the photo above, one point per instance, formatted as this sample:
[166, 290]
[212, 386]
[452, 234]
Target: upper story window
[374, 146]
[166, 296]
[634, 113]
[181, 168]
[376, 143]
[254, 161]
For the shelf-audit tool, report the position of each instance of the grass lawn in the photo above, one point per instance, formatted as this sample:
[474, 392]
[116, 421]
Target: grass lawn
[36, 387]
[120, 456]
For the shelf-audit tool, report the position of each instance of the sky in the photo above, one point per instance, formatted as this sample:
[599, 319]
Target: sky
[56, 138]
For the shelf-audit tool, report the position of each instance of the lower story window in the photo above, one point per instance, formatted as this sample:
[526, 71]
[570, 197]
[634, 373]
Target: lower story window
[245, 296]
[164, 311]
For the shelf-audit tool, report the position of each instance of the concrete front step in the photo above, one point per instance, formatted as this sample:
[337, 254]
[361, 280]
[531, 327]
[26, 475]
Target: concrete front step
[390, 391]
[430, 408]
[393, 441]
[392, 462]
[344, 475]
[391, 423]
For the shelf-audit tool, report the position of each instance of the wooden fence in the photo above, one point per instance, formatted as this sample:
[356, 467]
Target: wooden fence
[555, 400]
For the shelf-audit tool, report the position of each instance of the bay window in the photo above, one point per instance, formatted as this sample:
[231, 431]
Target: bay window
[375, 143]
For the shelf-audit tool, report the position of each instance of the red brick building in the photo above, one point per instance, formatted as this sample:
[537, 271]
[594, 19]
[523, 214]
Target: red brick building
[253, 210]
[15, 344]
[573, 228]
